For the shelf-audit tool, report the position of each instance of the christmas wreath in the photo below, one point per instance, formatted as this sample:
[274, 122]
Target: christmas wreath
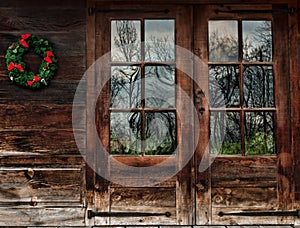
[17, 68]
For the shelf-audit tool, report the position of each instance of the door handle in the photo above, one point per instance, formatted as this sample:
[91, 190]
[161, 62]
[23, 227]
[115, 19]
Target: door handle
[199, 96]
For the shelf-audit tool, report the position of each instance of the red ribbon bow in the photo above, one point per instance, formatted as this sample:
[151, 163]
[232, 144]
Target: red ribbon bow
[23, 42]
[35, 79]
[11, 66]
[47, 58]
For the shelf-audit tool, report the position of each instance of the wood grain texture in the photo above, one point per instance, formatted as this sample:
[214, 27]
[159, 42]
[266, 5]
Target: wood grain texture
[39, 141]
[40, 185]
[42, 216]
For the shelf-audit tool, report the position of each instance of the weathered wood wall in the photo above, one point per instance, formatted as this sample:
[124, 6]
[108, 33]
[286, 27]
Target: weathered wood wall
[42, 171]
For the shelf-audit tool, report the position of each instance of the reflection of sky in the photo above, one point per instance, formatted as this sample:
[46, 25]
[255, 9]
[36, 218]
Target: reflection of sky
[223, 28]
[230, 27]
[249, 28]
[159, 29]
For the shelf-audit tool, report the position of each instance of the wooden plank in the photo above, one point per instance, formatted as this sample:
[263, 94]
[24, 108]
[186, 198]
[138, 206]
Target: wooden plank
[39, 141]
[39, 185]
[147, 220]
[283, 124]
[49, 3]
[135, 197]
[248, 198]
[178, 2]
[35, 216]
[295, 98]
[202, 166]
[28, 160]
[65, 43]
[244, 171]
[17, 19]
[185, 117]
[153, 200]
[239, 220]
[33, 116]
[55, 93]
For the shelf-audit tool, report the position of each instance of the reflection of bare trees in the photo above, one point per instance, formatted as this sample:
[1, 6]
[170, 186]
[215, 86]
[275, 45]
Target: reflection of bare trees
[223, 48]
[125, 87]
[154, 131]
[257, 91]
[224, 86]
[159, 49]
[127, 41]
[259, 47]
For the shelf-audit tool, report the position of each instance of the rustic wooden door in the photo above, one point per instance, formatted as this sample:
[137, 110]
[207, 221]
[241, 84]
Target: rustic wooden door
[191, 114]
[144, 115]
[245, 79]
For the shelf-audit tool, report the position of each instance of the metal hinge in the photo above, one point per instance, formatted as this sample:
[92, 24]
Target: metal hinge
[93, 10]
[295, 213]
[92, 214]
[290, 11]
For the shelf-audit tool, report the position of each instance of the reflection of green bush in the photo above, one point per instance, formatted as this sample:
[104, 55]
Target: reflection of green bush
[260, 143]
[166, 147]
[230, 148]
[118, 147]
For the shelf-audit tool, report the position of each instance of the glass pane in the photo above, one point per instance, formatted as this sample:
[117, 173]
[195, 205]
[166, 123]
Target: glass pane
[223, 41]
[125, 40]
[258, 86]
[257, 41]
[224, 86]
[160, 40]
[125, 133]
[259, 133]
[160, 131]
[125, 87]
[225, 136]
[160, 86]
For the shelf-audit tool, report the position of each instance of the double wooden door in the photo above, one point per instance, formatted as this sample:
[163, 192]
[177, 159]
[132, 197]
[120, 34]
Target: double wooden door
[189, 110]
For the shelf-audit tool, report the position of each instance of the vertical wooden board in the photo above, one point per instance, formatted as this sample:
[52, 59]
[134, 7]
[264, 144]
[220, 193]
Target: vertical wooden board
[202, 164]
[184, 187]
[282, 97]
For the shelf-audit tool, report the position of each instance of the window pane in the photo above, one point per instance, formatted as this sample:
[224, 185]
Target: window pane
[223, 41]
[224, 86]
[160, 86]
[259, 133]
[258, 86]
[125, 40]
[125, 133]
[225, 136]
[160, 40]
[257, 41]
[160, 133]
[125, 87]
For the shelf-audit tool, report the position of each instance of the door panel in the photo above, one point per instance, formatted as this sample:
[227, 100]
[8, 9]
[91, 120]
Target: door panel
[241, 176]
[149, 161]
